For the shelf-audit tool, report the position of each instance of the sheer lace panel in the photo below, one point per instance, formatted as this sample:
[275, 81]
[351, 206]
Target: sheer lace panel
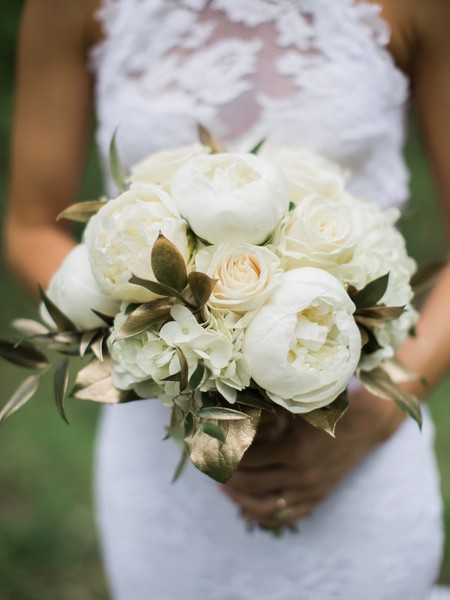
[312, 72]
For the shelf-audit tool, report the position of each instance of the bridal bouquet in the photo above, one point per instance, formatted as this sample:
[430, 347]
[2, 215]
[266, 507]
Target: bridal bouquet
[225, 284]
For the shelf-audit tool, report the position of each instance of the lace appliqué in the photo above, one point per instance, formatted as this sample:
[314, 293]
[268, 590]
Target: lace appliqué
[302, 71]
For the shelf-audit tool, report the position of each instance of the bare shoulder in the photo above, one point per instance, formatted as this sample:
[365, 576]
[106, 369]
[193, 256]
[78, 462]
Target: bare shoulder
[418, 28]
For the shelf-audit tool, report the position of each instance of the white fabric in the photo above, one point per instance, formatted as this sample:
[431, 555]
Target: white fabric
[302, 71]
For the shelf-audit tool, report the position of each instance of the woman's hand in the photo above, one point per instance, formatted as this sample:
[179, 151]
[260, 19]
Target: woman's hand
[284, 475]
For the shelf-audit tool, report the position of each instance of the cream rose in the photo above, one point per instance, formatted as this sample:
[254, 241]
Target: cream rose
[75, 291]
[246, 274]
[306, 171]
[303, 345]
[230, 197]
[121, 235]
[319, 233]
[160, 166]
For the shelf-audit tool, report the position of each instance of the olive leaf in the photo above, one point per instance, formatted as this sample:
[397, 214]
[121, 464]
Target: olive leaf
[62, 322]
[158, 288]
[221, 413]
[254, 399]
[202, 286]
[23, 354]
[426, 274]
[376, 315]
[61, 381]
[81, 212]
[215, 431]
[326, 418]
[117, 171]
[207, 139]
[21, 396]
[220, 459]
[258, 146]
[184, 369]
[168, 264]
[142, 317]
[379, 383]
[372, 292]
[30, 327]
[196, 377]
[182, 464]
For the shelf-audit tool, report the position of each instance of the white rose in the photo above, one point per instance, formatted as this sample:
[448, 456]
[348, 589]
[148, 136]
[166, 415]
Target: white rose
[319, 233]
[306, 171]
[160, 166]
[303, 345]
[121, 235]
[246, 274]
[230, 197]
[74, 290]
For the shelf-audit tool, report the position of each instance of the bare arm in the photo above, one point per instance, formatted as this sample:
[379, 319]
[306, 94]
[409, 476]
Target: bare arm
[51, 126]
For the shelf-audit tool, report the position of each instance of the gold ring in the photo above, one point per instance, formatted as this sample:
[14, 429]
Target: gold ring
[282, 510]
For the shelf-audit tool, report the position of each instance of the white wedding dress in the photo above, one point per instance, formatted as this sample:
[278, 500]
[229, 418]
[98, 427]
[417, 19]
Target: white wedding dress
[313, 72]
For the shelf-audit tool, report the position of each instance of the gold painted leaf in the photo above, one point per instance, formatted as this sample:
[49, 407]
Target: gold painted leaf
[23, 354]
[379, 383]
[81, 212]
[60, 386]
[168, 264]
[255, 399]
[142, 317]
[97, 345]
[221, 413]
[220, 459]
[372, 293]
[207, 139]
[94, 383]
[86, 340]
[29, 327]
[117, 171]
[21, 396]
[376, 315]
[62, 322]
[157, 288]
[202, 286]
[326, 418]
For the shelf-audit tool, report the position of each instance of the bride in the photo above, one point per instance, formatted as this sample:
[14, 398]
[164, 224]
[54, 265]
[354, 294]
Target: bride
[335, 75]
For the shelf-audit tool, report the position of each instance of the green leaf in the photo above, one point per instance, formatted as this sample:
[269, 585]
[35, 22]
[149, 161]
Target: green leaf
[292, 206]
[184, 459]
[158, 288]
[81, 212]
[255, 399]
[23, 354]
[184, 369]
[117, 171]
[60, 385]
[327, 417]
[214, 431]
[207, 139]
[379, 383]
[220, 459]
[258, 146]
[376, 315]
[62, 322]
[21, 396]
[221, 413]
[142, 317]
[372, 293]
[202, 286]
[196, 377]
[426, 275]
[168, 264]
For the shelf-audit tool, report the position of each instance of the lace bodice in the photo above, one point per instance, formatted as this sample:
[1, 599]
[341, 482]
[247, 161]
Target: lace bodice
[312, 72]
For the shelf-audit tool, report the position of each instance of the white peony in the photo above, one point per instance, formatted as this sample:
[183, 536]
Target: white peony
[230, 197]
[246, 274]
[303, 345]
[160, 166]
[306, 171]
[121, 235]
[74, 290]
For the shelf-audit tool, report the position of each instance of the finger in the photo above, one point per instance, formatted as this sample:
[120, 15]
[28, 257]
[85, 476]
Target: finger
[266, 506]
[288, 518]
[257, 482]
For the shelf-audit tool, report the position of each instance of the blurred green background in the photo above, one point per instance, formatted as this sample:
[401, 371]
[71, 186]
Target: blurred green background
[48, 545]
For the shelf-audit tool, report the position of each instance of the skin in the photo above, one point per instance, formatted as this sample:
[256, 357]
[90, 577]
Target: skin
[50, 135]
